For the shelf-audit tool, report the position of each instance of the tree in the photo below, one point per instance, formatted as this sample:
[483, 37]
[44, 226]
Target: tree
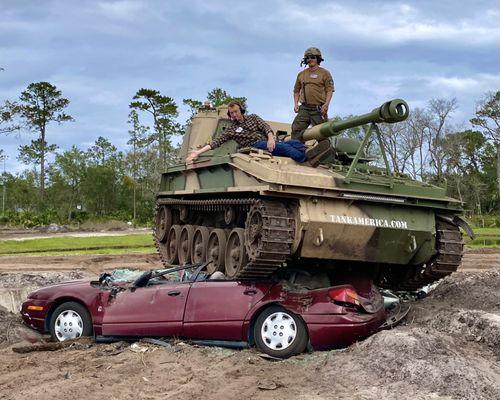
[103, 152]
[163, 111]
[3, 157]
[137, 134]
[219, 97]
[464, 161]
[101, 184]
[40, 104]
[488, 119]
[439, 111]
[35, 152]
[67, 175]
[7, 111]
[194, 106]
[216, 97]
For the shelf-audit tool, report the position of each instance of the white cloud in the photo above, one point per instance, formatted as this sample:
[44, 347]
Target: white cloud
[126, 10]
[465, 84]
[376, 23]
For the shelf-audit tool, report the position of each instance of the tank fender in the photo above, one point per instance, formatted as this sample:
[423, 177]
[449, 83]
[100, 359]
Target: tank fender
[458, 221]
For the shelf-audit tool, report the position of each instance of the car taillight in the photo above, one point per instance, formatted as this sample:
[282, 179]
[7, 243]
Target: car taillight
[344, 295]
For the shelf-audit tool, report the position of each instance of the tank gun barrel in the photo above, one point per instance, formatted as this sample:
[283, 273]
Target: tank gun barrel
[390, 112]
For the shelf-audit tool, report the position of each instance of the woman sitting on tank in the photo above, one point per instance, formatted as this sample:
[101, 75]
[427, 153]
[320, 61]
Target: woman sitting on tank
[253, 131]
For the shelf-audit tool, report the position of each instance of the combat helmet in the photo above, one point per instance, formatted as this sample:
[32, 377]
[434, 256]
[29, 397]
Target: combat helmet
[312, 51]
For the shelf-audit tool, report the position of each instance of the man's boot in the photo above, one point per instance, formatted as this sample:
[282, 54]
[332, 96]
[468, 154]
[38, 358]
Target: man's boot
[319, 153]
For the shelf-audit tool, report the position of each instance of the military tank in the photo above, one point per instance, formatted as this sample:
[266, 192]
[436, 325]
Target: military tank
[252, 213]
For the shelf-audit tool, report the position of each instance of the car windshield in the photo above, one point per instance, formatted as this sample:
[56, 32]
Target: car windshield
[185, 273]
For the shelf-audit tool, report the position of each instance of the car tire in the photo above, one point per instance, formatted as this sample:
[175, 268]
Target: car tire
[280, 333]
[70, 320]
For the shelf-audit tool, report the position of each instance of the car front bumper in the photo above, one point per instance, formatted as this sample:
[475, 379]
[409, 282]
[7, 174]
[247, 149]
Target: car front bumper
[35, 318]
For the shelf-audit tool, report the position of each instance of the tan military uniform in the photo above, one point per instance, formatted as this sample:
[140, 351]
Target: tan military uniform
[313, 87]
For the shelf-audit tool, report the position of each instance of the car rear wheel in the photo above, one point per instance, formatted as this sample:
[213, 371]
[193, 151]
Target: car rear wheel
[280, 333]
[70, 321]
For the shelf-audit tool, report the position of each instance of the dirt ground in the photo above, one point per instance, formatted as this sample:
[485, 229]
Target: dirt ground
[448, 348]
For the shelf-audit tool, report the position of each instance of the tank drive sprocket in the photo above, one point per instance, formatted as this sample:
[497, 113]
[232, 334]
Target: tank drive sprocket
[450, 249]
[269, 234]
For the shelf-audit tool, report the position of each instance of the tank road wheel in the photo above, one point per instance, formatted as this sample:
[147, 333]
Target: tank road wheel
[200, 242]
[236, 256]
[163, 223]
[172, 246]
[185, 244]
[280, 333]
[216, 248]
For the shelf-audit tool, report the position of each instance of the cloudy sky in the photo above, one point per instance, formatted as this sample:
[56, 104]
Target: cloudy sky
[99, 53]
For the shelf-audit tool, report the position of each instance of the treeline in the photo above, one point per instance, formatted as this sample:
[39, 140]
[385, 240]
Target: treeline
[103, 182]
[467, 162]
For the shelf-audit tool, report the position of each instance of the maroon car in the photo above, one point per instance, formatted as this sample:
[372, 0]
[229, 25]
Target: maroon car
[281, 317]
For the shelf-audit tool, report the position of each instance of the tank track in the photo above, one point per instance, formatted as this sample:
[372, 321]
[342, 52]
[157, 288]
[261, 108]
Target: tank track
[450, 249]
[276, 238]
[276, 233]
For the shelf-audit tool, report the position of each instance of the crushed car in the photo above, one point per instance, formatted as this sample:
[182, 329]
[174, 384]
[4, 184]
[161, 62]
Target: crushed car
[282, 316]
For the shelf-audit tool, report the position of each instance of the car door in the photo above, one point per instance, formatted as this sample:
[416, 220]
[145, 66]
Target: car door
[155, 310]
[217, 309]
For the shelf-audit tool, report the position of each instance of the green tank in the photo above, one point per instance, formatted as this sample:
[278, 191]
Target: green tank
[252, 213]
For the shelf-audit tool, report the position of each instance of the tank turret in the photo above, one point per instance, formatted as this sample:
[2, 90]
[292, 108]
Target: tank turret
[390, 112]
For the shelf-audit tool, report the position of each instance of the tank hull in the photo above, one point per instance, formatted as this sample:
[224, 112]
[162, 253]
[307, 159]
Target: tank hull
[392, 226]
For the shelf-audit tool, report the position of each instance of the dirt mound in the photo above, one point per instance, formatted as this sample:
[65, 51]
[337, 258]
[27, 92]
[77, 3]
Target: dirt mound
[469, 291]
[12, 330]
[39, 279]
[449, 346]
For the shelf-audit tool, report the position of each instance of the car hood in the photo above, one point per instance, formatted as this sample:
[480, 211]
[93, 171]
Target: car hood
[48, 291]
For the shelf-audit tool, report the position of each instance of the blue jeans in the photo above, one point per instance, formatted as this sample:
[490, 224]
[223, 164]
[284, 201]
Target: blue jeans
[294, 149]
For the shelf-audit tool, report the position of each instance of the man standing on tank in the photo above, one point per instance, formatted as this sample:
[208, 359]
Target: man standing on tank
[314, 90]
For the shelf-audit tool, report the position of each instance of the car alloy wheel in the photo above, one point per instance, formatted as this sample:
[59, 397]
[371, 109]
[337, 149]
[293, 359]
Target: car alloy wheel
[280, 333]
[70, 321]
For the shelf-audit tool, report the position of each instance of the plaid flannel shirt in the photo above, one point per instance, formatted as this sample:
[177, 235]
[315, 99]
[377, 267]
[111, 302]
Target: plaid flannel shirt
[246, 133]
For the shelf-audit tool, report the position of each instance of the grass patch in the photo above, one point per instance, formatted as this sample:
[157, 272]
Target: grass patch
[79, 245]
[487, 231]
[485, 238]
[144, 250]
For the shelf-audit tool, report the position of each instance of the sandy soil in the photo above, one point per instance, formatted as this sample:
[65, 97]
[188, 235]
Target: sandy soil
[448, 348]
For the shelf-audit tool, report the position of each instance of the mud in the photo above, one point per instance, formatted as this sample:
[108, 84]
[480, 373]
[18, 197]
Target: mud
[448, 348]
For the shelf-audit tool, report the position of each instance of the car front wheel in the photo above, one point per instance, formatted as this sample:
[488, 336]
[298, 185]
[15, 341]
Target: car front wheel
[70, 321]
[280, 333]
